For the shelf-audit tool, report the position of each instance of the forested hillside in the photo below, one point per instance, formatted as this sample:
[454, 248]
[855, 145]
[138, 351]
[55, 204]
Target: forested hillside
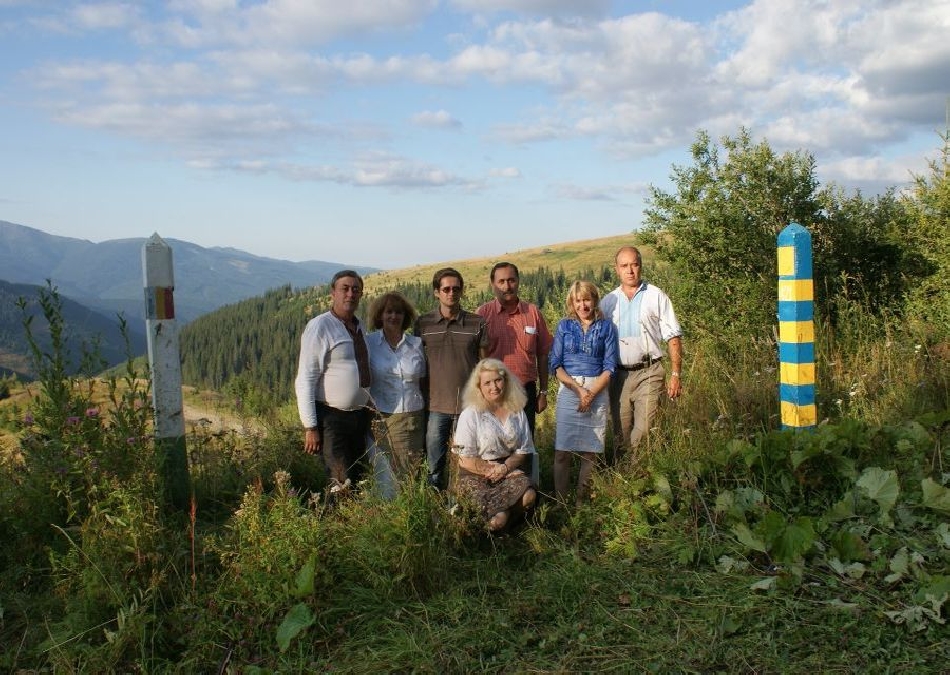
[98, 332]
[251, 347]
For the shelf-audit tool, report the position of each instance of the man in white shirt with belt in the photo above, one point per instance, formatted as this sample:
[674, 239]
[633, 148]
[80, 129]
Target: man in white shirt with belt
[332, 385]
[644, 318]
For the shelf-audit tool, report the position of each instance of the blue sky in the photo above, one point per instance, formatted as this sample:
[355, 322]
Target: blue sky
[400, 132]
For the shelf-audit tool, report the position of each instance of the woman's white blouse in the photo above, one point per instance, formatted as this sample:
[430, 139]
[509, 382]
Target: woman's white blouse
[481, 434]
[396, 373]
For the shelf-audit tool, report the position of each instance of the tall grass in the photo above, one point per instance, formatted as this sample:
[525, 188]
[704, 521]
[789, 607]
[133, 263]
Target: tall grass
[737, 547]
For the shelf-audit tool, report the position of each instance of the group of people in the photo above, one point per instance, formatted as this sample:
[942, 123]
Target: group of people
[472, 383]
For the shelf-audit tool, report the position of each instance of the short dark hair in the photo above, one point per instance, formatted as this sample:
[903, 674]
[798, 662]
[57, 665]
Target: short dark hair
[446, 272]
[345, 273]
[502, 264]
[391, 299]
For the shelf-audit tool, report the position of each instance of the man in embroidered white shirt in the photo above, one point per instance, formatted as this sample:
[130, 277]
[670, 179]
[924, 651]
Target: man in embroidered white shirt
[332, 385]
[644, 318]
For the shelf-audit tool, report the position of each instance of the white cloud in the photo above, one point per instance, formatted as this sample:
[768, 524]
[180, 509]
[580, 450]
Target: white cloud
[378, 170]
[436, 119]
[567, 7]
[106, 15]
[505, 172]
[840, 78]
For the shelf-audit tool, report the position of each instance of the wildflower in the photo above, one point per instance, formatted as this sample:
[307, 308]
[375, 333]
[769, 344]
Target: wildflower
[28, 419]
[72, 420]
[917, 348]
[131, 440]
[92, 412]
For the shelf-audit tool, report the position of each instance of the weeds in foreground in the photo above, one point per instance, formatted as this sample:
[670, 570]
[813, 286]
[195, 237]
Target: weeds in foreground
[734, 548]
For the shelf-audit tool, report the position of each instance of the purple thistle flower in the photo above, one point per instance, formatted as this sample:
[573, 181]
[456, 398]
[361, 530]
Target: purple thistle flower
[72, 420]
[28, 419]
[92, 412]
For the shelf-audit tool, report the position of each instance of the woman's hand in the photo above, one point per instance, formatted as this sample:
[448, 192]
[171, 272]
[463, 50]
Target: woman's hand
[497, 471]
[585, 398]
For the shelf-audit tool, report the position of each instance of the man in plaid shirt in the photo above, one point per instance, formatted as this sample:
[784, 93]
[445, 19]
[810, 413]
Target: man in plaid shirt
[518, 336]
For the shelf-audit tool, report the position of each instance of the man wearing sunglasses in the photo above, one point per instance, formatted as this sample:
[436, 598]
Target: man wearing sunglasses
[454, 341]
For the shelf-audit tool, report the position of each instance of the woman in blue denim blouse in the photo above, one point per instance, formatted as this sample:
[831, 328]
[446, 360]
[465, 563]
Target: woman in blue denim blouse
[583, 357]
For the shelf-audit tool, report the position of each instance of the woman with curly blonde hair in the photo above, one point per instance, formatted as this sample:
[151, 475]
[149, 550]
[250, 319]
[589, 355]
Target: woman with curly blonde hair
[493, 442]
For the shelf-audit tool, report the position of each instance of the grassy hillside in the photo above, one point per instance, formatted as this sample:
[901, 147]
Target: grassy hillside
[572, 257]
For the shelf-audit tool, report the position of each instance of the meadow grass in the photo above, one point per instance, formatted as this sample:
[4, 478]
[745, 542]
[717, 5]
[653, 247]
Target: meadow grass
[733, 548]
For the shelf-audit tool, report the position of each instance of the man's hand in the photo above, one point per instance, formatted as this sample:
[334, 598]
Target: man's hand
[674, 387]
[542, 402]
[312, 443]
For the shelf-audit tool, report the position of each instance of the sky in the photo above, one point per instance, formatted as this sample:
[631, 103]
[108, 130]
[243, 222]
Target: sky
[391, 133]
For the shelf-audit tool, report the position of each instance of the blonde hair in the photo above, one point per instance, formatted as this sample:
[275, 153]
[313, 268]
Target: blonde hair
[583, 289]
[514, 398]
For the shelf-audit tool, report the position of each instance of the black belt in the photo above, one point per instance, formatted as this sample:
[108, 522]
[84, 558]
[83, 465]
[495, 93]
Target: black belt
[640, 366]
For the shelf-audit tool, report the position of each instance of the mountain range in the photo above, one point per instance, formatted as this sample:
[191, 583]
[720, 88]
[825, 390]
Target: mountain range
[107, 276]
[98, 281]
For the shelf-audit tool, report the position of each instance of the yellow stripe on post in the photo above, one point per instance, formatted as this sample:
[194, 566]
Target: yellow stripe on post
[786, 261]
[798, 373]
[799, 415]
[796, 331]
[796, 290]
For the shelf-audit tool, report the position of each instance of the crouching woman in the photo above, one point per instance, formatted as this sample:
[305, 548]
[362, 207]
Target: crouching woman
[493, 442]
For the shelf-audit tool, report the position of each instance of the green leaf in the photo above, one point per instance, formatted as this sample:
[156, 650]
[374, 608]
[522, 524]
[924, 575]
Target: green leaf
[881, 486]
[747, 539]
[849, 546]
[662, 486]
[942, 532]
[898, 565]
[938, 586]
[298, 618]
[852, 570]
[936, 496]
[764, 584]
[727, 564]
[304, 580]
[842, 509]
[725, 503]
[794, 541]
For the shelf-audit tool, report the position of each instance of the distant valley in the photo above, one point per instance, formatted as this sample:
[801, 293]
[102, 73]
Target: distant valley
[103, 280]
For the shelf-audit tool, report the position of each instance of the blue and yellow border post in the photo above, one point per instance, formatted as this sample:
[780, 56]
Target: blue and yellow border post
[796, 315]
